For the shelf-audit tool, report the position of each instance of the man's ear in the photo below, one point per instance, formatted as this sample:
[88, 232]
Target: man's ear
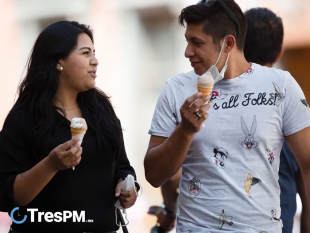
[280, 54]
[230, 43]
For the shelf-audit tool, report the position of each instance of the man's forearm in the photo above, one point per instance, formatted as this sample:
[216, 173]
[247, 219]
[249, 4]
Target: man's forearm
[169, 191]
[162, 161]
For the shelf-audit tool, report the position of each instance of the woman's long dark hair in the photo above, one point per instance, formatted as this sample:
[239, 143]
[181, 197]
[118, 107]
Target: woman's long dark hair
[38, 88]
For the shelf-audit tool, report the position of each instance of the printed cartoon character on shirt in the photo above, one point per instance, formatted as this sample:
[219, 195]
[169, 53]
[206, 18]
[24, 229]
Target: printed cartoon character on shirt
[304, 101]
[250, 181]
[224, 219]
[271, 155]
[250, 70]
[274, 217]
[278, 96]
[194, 187]
[219, 157]
[249, 141]
[217, 94]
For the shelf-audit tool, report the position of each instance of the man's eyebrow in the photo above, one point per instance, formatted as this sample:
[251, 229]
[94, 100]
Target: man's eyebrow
[195, 39]
[192, 38]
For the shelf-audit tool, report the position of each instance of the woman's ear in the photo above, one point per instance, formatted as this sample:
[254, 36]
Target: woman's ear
[230, 43]
[59, 67]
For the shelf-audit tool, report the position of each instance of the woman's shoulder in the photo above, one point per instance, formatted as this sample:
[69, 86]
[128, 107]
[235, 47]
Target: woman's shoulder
[18, 115]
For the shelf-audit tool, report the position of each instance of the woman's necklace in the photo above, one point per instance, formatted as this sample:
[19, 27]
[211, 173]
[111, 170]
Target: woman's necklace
[70, 108]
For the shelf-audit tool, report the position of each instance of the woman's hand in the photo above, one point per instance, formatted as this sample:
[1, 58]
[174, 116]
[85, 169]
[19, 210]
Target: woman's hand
[65, 155]
[126, 198]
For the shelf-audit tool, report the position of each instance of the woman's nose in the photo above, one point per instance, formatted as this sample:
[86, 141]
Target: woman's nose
[94, 61]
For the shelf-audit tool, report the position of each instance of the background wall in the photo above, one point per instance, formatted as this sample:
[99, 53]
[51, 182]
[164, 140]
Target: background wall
[139, 45]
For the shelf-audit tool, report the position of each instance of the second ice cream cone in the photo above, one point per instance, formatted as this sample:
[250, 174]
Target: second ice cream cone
[205, 90]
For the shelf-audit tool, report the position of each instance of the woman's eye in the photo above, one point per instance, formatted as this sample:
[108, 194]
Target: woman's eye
[86, 53]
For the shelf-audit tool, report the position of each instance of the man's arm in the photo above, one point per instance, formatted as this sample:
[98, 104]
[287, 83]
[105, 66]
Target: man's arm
[170, 193]
[305, 213]
[165, 156]
[300, 145]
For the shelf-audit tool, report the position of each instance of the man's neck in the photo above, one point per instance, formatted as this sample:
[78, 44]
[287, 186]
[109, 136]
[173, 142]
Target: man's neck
[237, 65]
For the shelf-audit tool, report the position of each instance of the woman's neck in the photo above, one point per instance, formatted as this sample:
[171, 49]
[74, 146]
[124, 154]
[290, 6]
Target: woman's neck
[68, 104]
[65, 100]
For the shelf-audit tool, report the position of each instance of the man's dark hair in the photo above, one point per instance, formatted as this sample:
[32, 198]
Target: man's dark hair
[217, 16]
[264, 38]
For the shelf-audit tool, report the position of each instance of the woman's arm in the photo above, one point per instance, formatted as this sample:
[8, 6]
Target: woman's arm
[29, 184]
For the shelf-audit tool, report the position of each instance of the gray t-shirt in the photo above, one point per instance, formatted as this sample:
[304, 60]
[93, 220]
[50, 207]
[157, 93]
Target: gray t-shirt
[230, 175]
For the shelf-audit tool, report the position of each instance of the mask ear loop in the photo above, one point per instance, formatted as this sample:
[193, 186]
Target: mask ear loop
[225, 66]
[218, 58]
[127, 221]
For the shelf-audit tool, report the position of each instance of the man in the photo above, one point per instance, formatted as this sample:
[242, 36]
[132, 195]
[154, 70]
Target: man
[263, 45]
[251, 111]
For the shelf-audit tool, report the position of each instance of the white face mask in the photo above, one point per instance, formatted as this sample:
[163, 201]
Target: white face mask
[213, 71]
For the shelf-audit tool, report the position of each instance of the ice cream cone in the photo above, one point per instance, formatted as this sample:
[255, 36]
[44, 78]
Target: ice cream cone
[205, 90]
[205, 84]
[78, 129]
[79, 136]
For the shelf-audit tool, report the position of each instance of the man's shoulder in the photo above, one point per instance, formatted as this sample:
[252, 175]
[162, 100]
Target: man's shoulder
[183, 79]
[271, 70]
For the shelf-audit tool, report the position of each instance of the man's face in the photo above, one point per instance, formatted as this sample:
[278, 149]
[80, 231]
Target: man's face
[200, 49]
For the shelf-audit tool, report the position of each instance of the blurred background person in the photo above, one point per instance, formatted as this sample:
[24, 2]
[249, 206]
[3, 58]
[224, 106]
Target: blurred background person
[264, 46]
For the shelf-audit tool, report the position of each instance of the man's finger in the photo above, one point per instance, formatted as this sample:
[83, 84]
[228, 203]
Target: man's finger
[189, 101]
[200, 102]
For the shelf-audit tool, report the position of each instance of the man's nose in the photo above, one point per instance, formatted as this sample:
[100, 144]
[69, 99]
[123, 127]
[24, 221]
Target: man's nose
[189, 52]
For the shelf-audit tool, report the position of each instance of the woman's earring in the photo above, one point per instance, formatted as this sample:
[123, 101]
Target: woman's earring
[61, 68]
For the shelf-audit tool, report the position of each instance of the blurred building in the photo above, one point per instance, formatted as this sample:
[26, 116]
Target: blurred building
[139, 45]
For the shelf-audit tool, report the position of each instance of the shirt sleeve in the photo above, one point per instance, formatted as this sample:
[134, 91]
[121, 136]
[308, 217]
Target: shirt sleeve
[123, 167]
[165, 115]
[296, 114]
[15, 155]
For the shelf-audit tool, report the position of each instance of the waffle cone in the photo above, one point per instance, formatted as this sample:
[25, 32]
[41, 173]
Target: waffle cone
[76, 131]
[205, 90]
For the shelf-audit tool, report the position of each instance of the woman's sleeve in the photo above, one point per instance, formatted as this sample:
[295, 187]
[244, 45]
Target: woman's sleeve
[123, 167]
[15, 156]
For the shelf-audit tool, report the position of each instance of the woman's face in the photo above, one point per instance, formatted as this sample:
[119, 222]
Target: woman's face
[79, 68]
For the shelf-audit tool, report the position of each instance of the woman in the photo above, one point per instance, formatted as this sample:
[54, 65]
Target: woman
[37, 153]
